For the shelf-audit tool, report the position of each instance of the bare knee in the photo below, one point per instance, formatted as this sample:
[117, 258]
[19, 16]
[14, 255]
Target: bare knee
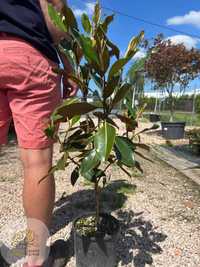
[36, 159]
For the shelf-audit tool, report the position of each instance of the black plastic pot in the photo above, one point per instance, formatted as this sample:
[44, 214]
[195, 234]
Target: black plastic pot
[173, 130]
[153, 117]
[96, 251]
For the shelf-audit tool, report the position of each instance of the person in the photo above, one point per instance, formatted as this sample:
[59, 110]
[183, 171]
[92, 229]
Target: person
[29, 92]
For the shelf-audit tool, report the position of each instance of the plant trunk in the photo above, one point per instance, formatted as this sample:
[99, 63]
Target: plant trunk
[156, 104]
[171, 105]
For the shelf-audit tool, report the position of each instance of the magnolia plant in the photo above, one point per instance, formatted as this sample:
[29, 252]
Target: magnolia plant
[92, 140]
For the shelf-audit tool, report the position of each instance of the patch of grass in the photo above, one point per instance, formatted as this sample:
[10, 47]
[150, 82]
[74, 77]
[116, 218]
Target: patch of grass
[180, 116]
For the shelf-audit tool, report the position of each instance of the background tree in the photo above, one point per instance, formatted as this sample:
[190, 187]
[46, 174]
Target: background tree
[136, 77]
[171, 65]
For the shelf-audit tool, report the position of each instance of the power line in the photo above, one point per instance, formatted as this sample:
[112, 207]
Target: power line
[147, 21]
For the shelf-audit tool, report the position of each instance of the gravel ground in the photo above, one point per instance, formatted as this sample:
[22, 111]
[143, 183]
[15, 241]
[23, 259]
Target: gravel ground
[160, 217]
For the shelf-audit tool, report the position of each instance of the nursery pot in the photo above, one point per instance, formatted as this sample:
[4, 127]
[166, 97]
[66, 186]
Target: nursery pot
[153, 117]
[98, 251]
[173, 130]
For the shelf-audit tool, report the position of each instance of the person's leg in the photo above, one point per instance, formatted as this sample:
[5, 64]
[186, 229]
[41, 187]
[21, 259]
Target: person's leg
[38, 197]
[33, 94]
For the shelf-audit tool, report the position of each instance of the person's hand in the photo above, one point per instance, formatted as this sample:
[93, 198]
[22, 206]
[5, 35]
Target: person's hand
[70, 88]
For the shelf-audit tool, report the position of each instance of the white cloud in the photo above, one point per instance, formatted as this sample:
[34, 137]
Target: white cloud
[188, 41]
[89, 8]
[78, 12]
[192, 18]
[140, 54]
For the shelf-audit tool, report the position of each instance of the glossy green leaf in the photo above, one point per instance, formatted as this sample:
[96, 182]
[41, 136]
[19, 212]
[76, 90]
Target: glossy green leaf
[126, 155]
[69, 17]
[86, 23]
[50, 131]
[105, 60]
[131, 123]
[106, 22]
[89, 163]
[132, 47]
[89, 52]
[97, 13]
[131, 110]
[57, 118]
[77, 80]
[78, 52]
[104, 140]
[111, 86]
[75, 109]
[61, 163]
[60, 166]
[114, 49]
[117, 66]
[121, 93]
[75, 119]
[57, 18]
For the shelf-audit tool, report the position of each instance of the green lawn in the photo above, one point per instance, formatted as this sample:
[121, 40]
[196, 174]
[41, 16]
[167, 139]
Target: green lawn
[180, 116]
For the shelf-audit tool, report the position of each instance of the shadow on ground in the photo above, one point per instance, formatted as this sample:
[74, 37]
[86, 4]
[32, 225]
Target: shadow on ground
[139, 240]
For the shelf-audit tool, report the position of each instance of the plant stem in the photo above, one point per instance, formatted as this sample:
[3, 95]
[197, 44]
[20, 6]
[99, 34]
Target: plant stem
[171, 103]
[72, 160]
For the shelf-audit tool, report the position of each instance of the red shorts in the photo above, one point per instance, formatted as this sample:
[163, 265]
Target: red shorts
[29, 92]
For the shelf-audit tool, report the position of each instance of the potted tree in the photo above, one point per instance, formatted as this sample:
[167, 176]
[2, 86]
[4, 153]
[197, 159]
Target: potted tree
[94, 145]
[169, 66]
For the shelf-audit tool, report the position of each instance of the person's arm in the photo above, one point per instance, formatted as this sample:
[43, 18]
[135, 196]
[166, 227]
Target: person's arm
[56, 34]
[70, 88]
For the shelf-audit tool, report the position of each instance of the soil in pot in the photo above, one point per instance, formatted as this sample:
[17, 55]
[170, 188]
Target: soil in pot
[95, 245]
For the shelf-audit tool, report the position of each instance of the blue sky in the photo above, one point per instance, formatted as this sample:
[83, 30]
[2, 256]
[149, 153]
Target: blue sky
[180, 15]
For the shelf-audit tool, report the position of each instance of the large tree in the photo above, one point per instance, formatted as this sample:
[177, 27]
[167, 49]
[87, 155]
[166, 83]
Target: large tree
[170, 65]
